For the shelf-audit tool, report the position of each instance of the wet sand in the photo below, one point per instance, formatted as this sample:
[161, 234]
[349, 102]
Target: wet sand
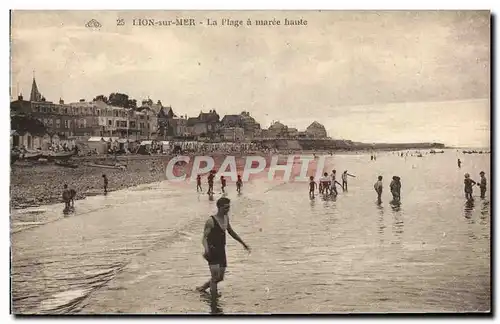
[139, 250]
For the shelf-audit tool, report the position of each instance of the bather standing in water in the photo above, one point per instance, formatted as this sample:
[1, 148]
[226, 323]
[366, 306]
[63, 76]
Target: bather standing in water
[214, 243]
[482, 184]
[198, 183]
[239, 184]
[333, 183]
[468, 183]
[312, 186]
[344, 179]
[459, 163]
[378, 188]
[396, 188]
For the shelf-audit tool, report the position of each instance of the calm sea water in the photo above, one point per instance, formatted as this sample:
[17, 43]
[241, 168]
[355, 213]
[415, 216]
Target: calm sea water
[139, 250]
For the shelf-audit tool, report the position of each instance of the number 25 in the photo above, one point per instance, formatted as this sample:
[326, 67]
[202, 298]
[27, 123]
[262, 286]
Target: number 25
[120, 22]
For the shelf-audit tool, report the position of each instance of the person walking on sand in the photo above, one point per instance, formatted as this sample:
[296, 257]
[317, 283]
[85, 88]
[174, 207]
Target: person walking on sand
[378, 188]
[468, 183]
[459, 163]
[239, 184]
[66, 196]
[312, 187]
[344, 179]
[482, 184]
[214, 244]
[198, 183]
[105, 183]
[395, 187]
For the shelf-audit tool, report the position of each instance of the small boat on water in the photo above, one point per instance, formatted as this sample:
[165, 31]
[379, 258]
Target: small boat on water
[435, 152]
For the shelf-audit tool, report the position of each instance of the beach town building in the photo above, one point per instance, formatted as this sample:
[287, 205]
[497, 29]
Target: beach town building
[205, 125]
[179, 126]
[250, 127]
[166, 123]
[277, 130]
[87, 118]
[232, 134]
[316, 130]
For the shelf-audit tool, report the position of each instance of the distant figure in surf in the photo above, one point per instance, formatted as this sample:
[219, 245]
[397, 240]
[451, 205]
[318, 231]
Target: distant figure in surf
[344, 179]
[72, 196]
[210, 179]
[223, 183]
[395, 187]
[468, 183]
[333, 183]
[239, 184]
[105, 183]
[312, 186]
[459, 163]
[482, 184]
[378, 188]
[66, 196]
[198, 183]
[214, 244]
[324, 184]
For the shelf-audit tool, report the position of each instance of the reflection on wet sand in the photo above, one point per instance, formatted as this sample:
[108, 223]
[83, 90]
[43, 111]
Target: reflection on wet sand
[381, 225]
[213, 303]
[468, 208]
[398, 223]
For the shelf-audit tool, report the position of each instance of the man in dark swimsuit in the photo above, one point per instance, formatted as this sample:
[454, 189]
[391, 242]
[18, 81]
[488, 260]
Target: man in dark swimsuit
[214, 243]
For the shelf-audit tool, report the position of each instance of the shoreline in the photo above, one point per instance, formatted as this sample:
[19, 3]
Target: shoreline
[37, 184]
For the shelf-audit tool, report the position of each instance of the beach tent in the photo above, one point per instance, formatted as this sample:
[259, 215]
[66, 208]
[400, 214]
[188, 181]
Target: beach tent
[123, 144]
[98, 144]
[165, 145]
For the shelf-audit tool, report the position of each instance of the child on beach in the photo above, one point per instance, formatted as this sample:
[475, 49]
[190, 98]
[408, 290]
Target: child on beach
[378, 188]
[223, 183]
[239, 184]
[324, 184]
[210, 178]
[312, 186]
[198, 183]
[333, 183]
[482, 184]
[344, 180]
[468, 183]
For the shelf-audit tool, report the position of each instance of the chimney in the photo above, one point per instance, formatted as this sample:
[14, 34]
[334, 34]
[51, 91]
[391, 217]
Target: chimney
[61, 102]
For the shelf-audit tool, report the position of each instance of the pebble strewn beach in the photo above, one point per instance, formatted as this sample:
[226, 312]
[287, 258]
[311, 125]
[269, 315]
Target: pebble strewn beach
[34, 185]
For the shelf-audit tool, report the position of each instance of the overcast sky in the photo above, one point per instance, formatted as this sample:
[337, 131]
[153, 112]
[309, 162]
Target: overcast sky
[339, 59]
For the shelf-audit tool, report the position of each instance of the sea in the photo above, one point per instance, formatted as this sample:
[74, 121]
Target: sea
[139, 250]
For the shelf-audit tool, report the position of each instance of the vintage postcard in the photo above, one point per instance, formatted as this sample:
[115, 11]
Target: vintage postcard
[250, 162]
